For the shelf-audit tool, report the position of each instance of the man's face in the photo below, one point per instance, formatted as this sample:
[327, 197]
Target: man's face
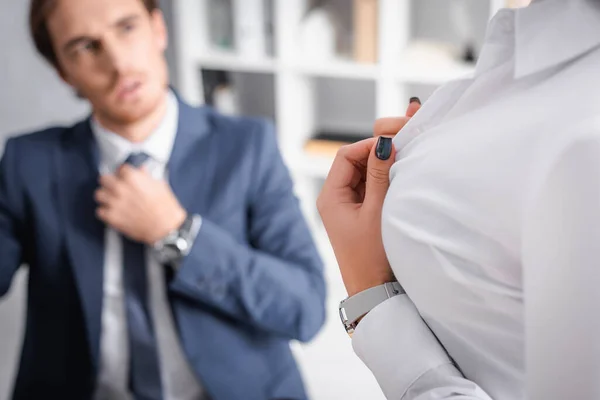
[112, 53]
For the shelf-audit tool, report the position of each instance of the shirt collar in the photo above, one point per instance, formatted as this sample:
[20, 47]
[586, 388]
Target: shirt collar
[499, 41]
[114, 149]
[545, 33]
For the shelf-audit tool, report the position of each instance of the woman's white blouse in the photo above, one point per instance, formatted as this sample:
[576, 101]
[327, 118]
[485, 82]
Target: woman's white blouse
[492, 223]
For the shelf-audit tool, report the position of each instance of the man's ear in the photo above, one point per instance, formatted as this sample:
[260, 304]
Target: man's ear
[159, 26]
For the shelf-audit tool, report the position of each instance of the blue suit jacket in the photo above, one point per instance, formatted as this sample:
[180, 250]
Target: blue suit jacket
[252, 281]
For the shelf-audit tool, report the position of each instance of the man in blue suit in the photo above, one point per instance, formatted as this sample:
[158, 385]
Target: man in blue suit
[168, 258]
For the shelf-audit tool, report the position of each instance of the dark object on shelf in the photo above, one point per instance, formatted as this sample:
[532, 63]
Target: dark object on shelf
[328, 143]
[212, 80]
[469, 54]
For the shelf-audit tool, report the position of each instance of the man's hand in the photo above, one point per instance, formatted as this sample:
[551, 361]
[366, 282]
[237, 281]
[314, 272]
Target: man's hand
[351, 205]
[137, 205]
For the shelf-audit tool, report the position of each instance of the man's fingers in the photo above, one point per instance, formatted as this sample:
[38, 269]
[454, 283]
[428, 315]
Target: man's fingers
[110, 183]
[103, 214]
[127, 172]
[413, 107]
[103, 197]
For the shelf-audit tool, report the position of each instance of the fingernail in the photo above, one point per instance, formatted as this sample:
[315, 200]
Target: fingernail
[415, 100]
[383, 151]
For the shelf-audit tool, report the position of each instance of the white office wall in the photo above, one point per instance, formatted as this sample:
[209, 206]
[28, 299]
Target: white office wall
[31, 95]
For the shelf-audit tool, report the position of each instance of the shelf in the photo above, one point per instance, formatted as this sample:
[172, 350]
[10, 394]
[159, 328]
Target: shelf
[233, 62]
[338, 69]
[433, 74]
[410, 72]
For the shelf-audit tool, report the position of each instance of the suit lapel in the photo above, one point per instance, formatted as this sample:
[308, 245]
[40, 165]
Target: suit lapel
[191, 159]
[78, 179]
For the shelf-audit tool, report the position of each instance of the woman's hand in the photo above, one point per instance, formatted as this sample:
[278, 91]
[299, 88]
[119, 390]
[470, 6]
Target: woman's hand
[351, 202]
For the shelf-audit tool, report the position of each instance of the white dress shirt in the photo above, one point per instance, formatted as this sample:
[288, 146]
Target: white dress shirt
[178, 380]
[492, 223]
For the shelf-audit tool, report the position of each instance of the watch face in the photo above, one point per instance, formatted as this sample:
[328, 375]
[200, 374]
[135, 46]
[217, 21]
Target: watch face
[181, 244]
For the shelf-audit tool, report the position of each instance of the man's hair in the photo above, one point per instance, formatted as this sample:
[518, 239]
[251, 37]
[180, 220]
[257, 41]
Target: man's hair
[38, 16]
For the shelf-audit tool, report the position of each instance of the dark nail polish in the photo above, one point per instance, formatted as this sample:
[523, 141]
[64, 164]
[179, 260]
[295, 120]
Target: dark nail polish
[383, 151]
[415, 100]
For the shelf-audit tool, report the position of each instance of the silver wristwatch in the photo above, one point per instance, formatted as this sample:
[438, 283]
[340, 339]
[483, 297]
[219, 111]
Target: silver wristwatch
[354, 308]
[177, 244]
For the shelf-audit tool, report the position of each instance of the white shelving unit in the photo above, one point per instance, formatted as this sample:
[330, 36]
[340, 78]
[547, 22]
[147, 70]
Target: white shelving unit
[230, 62]
[294, 76]
[296, 85]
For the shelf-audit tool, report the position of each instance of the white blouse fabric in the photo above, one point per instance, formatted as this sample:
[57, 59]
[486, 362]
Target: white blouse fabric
[492, 223]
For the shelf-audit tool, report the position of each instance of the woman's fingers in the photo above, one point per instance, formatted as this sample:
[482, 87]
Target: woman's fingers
[413, 107]
[391, 126]
[349, 163]
[380, 162]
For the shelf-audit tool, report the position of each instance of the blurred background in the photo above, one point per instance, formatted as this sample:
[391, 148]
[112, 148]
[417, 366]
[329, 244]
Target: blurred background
[322, 70]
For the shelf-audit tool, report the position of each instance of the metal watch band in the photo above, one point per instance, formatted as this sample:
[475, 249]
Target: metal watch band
[189, 230]
[178, 243]
[353, 308]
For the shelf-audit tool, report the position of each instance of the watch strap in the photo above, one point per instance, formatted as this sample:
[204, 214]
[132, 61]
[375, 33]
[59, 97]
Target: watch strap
[187, 227]
[353, 308]
[189, 230]
[177, 244]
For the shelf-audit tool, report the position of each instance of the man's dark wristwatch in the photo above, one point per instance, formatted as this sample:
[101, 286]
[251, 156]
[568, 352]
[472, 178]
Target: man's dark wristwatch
[171, 249]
